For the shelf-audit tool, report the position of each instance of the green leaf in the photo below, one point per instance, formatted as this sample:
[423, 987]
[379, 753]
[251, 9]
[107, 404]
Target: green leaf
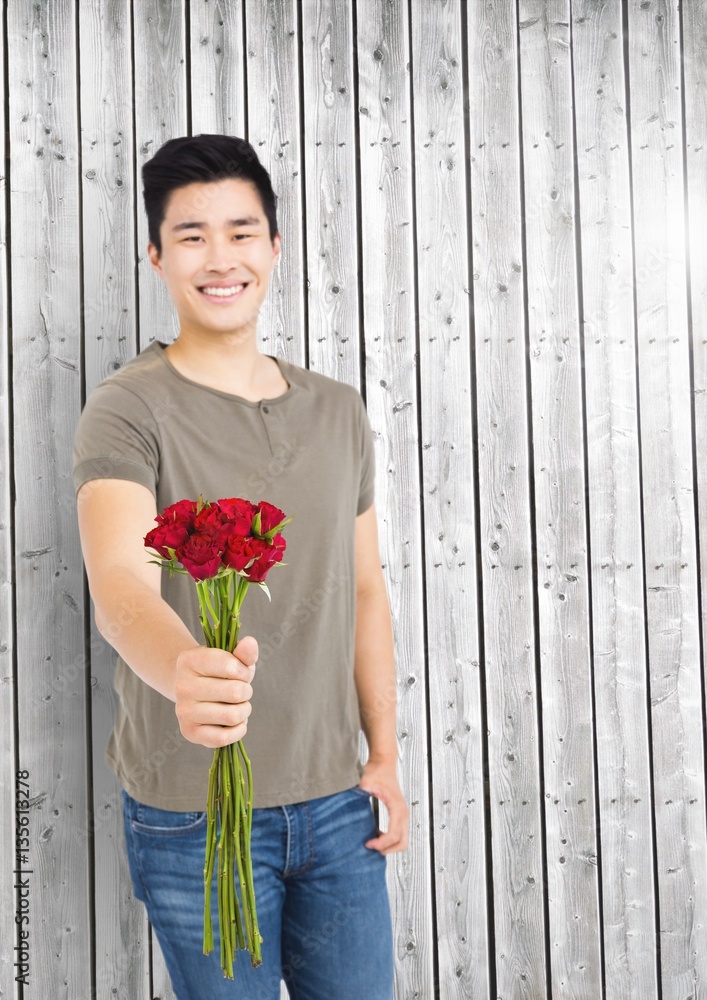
[263, 586]
[273, 531]
[255, 525]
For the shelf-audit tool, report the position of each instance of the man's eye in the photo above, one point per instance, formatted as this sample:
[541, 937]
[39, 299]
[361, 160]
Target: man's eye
[237, 236]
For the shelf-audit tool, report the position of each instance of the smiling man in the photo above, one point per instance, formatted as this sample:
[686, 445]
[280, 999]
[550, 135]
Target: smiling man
[210, 414]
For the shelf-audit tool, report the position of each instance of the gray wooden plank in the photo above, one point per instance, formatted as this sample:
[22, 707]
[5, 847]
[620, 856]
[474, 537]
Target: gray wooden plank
[9, 989]
[217, 68]
[45, 272]
[559, 490]
[160, 100]
[122, 960]
[161, 983]
[273, 69]
[695, 70]
[515, 799]
[160, 104]
[457, 733]
[620, 668]
[330, 190]
[671, 555]
[388, 280]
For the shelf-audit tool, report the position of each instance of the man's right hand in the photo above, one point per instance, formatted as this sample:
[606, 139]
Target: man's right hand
[213, 692]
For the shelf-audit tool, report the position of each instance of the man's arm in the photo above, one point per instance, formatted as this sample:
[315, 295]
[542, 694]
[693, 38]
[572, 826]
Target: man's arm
[210, 687]
[374, 672]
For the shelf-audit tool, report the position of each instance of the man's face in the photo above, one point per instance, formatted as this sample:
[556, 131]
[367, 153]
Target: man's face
[217, 256]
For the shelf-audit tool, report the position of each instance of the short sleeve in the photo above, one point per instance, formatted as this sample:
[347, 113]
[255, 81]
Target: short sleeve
[116, 438]
[366, 492]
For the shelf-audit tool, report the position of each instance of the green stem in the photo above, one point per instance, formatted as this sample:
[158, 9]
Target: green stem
[234, 612]
[225, 867]
[228, 800]
[249, 772]
[255, 953]
[222, 598]
[235, 838]
[228, 930]
[211, 811]
[245, 895]
[203, 617]
[208, 594]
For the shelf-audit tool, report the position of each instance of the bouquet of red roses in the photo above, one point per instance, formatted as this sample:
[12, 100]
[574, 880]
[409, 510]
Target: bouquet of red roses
[224, 546]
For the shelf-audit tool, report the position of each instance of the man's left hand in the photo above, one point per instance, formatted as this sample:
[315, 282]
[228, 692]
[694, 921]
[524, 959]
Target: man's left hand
[381, 781]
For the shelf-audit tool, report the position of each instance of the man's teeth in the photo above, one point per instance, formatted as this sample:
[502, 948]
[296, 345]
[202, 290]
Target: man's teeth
[223, 292]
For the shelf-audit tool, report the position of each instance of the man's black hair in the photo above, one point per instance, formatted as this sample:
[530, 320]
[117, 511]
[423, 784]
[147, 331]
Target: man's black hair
[203, 158]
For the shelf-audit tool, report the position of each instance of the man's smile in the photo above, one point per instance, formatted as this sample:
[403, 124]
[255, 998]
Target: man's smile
[223, 294]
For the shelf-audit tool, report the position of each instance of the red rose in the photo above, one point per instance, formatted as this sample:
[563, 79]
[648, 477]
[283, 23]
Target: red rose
[240, 551]
[270, 517]
[239, 512]
[214, 523]
[182, 512]
[166, 535]
[277, 547]
[268, 553]
[200, 556]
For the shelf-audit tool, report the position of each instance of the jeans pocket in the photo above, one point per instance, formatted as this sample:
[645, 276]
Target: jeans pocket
[360, 791]
[165, 822]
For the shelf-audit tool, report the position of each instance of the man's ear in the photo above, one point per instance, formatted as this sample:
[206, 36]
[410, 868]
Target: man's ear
[276, 245]
[154, 256]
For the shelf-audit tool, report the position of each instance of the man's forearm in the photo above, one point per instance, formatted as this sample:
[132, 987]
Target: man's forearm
[374, 672]
[374, 669]
[143, 629]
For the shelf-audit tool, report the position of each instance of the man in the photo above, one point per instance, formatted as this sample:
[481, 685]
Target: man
[209, 414]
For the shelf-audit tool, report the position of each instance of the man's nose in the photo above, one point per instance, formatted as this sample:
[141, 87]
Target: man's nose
[222, 253]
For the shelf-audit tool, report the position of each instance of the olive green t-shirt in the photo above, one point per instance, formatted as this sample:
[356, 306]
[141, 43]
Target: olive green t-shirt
[309, 452]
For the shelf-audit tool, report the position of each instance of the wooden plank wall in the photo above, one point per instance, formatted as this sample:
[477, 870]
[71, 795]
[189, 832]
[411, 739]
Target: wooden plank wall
[7, 679]
[493, 221]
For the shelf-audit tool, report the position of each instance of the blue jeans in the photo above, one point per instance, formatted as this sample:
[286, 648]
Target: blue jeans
[322, 900]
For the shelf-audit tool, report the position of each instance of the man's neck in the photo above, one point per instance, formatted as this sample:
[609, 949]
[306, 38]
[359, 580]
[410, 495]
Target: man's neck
[229, 363]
